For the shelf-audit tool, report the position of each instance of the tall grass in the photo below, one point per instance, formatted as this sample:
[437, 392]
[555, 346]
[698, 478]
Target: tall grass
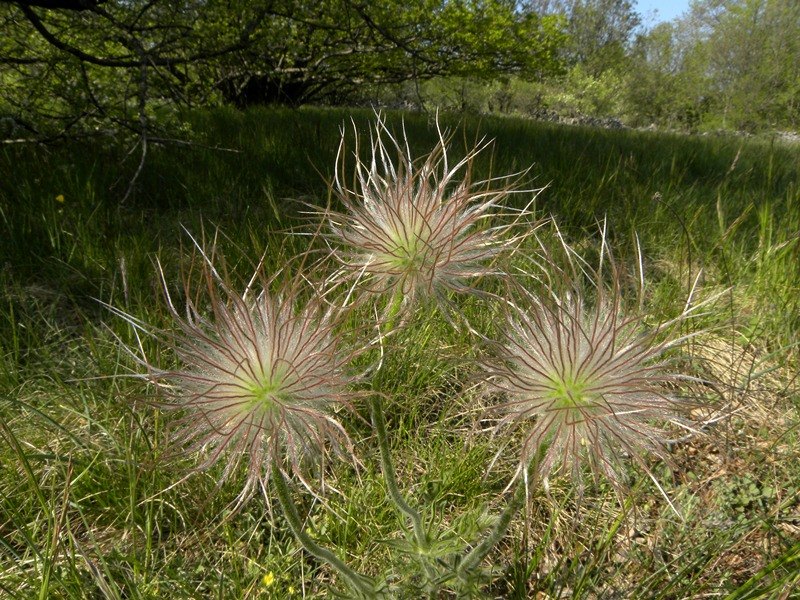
[85, 513]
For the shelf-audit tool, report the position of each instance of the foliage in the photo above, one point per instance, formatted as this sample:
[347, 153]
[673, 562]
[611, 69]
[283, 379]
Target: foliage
[88, 65]
[111, 64]
[598, 31]
[722, 65]
[88, 68]
[731, 64]
[754, 59]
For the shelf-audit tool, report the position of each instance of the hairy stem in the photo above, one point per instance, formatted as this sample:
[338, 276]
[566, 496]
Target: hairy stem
[479, 552]
[394, 311]
[389, 476]
[358, 583]
[387, 467]
[379, 423]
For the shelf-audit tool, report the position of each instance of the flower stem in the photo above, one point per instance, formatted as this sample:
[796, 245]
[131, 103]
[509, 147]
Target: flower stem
[389, 475]
[379, 423]
[479, 552]
[358, 583]
[394, 311]
[387, 467]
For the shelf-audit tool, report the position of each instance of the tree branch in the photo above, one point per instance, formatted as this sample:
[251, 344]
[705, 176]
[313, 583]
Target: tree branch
[77, 5]
[128, 61]
[34, 20]
[14, 60]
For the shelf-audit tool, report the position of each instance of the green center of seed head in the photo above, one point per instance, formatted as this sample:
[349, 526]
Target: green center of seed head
[570, 392]
[409, 253]
[268, 391]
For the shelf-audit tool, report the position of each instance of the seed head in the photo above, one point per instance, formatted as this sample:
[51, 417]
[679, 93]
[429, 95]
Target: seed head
[410, 229]
[260, 380]
[584, 383]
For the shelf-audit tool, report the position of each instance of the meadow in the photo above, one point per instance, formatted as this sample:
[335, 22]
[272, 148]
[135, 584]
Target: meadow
[93, 503]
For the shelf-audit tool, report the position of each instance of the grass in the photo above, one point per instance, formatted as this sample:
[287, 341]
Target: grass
[84, 512]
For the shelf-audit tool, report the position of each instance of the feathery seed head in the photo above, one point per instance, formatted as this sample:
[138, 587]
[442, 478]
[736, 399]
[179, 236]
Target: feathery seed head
[410, 229]
[260, 381]
[584, 383]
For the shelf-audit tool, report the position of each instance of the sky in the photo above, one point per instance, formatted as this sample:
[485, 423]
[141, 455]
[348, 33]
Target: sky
[667, 10]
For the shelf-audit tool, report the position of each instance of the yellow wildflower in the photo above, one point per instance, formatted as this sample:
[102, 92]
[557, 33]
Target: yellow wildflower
[60, 198]
[268, 579]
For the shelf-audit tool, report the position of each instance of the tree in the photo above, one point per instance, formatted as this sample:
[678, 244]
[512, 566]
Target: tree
[727, 63]
[598, 31]
[754, 62]
[668, 82]
[328, 51]
[88, 64]
[596, 51]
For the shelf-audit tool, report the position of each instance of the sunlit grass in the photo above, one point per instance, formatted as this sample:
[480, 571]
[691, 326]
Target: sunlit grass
[83, 511]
